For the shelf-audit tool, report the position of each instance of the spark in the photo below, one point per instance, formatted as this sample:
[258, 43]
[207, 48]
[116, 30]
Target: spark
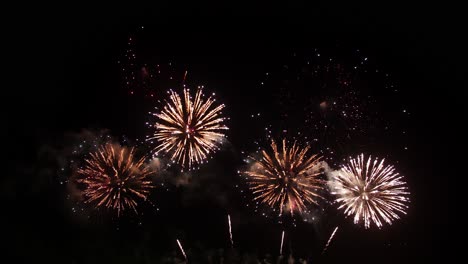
[285, 178]
[281, 246]
[189, 130]
[329, 240]
[370, 191]
[181, 249]
[114, 179]
[230, 231]
[185, 77]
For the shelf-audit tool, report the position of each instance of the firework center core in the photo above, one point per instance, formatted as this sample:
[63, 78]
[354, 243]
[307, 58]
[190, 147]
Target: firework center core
[189, 130]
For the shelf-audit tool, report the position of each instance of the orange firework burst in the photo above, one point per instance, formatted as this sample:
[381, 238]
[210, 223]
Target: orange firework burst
[189, 129]
[370, 191]
[114, 179]
[287, 178]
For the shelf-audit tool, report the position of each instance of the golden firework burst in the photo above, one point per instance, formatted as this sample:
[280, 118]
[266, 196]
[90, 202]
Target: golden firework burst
[286, 178]
[114, 179]
[189, 129]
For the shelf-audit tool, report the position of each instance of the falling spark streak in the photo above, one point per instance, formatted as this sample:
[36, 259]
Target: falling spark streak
[370, 191]
[185, 77]
[189, 129]
[329, 240]
[114, 179]
[281, 247]
[181, 249]
[285, 178]
[230, 231]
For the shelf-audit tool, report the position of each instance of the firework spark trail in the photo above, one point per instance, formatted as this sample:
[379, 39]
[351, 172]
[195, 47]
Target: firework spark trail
[230, 231]
[114, 179]
[370, 191]
[189, 129]
[282, 240]
[329, 240]
[185, 77]
[285, 178]
[181, 249]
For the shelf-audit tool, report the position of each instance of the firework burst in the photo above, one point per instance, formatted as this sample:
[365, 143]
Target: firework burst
[114, 179]
[286, 178]
[189, 129]
[370, 191]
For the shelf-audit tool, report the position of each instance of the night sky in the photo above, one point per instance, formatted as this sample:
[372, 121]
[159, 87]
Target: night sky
[68, 79]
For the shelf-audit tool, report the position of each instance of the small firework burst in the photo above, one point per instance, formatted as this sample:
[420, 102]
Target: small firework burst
[113, 178]
[286, 178]
[370, 191]
[189, 129]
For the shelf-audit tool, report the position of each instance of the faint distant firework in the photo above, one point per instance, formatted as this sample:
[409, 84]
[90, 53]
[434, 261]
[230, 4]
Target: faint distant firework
[370, 191]
[189, 129]
[113, 178]
[142, 76]
[285, 178]
[332, 97]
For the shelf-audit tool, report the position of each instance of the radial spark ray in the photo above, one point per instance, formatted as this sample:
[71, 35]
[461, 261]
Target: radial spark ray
[286, 178]
[371, 191]
[114, 179]
[189, 129]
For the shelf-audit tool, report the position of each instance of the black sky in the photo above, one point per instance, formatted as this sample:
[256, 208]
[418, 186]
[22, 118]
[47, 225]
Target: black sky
[65, 78]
